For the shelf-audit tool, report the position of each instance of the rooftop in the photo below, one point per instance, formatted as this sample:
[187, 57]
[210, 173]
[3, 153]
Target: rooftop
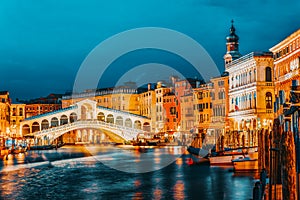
[248, 57]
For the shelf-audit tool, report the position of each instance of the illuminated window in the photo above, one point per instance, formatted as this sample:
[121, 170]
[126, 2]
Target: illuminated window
[172, 110]
[268, 100]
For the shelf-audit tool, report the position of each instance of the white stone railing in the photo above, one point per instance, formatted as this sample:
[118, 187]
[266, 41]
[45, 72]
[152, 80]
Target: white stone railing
[126, 133]
[242, 112]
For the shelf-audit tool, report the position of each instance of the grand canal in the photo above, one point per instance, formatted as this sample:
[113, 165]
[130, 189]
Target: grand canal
[72, 173]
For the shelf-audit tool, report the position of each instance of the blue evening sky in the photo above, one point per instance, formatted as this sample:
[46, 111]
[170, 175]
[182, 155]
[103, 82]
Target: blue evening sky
[44, 42]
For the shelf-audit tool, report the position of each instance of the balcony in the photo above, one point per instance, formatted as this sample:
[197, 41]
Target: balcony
[288, 76]
[233, 113]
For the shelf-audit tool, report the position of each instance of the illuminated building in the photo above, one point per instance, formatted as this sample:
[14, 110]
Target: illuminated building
[41, 105]
[220, 105]
[17, 115]
[185, 86]
[120, 98]
[286, 68]
[148, 105]
[251, 92]
[285, 162]
[187, 113]
[172, 111]
[40, 108]
[202, 109]
[4, 116]
[160, 116]
[184, 93]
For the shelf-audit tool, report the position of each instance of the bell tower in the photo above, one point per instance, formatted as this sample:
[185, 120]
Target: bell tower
[232, 45]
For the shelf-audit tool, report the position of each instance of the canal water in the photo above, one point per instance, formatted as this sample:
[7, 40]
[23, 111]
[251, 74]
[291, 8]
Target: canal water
[107, 173]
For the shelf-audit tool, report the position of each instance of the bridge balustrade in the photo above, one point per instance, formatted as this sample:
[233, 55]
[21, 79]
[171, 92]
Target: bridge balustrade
[126, 133]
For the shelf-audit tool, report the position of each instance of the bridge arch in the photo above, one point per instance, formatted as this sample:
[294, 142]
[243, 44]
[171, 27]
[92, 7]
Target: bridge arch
[63, 120]
[35, 127]
[119, 120]
[25, 129]
[44, 124]
[54, 122]
[73, 117]
[101, 116]
[128, 123]
[110, 118]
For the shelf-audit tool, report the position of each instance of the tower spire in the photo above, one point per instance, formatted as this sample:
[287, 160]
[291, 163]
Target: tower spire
[232, 45]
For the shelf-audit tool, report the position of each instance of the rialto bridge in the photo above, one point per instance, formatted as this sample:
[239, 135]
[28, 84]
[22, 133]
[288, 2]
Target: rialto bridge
[84, 122]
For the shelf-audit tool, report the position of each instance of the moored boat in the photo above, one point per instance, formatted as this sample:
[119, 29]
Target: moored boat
[196, 147]
[225, 159]
[245, 164]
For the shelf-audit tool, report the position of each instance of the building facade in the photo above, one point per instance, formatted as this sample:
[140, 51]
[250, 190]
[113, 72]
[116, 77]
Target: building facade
[220, 107]
[286, 69]
[202, 109]
[187, 113]
[4, 116]
[17, 115]
[285, 163]
[124, 99]
[160, 114]
[251, 95]
[172, 112]
[148, 105]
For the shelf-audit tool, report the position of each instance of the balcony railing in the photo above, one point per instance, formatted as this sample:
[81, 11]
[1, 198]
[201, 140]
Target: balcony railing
[242, 112]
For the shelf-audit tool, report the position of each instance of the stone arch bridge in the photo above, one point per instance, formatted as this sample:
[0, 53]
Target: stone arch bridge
[85, 122]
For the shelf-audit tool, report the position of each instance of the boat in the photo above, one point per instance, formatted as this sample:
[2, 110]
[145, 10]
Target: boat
[42, 147]
[18, 150]
[245, 163]
[198, 153]
[224, 158]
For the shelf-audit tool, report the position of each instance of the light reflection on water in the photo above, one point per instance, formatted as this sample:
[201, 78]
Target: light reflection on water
[87, 178]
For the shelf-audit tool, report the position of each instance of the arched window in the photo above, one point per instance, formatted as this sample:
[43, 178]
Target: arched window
[268, 74]
[63, 120]
[110, 119]
[268, 100]
[73, 117]
[45, 124]
[119, 121]
[35, 127]
[101, 116]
